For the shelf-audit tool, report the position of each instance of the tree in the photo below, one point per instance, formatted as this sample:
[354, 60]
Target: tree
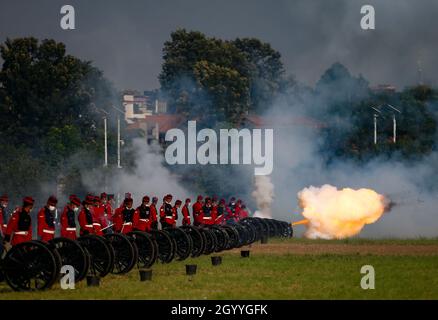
[207, 76]
[266, 71]
[178, 77]
[227, 90]
[43, 87]
[50, 106]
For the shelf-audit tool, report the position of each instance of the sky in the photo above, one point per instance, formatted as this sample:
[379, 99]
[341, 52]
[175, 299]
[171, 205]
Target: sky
[125, 38]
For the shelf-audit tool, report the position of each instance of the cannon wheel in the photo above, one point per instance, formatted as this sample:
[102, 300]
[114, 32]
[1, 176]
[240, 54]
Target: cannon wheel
[257, 226]
[273, 231]
[233, 236]
[125, 253]
[184, 243]
[251, 230]
[222, 238]
[264, 227]
[147, 248]
[166, 246]
[73, 254]
[197, 240]
[243, 235]
[30, 266]
[210, 240]
[101, 254]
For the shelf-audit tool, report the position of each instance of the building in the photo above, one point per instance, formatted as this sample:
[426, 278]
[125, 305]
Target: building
[139, 106]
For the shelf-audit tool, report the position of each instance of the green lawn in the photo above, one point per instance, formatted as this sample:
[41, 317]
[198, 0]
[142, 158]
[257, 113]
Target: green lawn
[282, 276]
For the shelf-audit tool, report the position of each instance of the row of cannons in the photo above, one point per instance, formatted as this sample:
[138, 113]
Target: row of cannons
[36, 265]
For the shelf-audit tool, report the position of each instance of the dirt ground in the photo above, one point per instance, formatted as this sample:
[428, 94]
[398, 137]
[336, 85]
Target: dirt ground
[331, 248]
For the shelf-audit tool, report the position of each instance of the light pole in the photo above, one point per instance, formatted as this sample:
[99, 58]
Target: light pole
[106, 141]
[105, 134]
[375, 123]
[394, 123]
[118, 137]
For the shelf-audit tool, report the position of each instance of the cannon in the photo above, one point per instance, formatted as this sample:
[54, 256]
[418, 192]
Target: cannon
[72, 253]
[125, 253]
[183, 243]
[166, 245]
[101, 254]
[30, 266]
[147, 249]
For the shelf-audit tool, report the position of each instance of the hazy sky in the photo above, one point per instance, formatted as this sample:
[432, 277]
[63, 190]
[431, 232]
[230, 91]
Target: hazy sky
[125, 38]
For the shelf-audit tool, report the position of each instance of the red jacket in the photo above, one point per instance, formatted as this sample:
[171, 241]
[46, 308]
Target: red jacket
[46, 224]
[154, 215]
[186, 215]
[197, 213]
[19, 227]
[208, 215]
[243, 214]
[86, 222]
[68, 223]
[143, 218]
[3, 224]
[107, 213]
[237, 211]
[168, 214]
[221, 213]
[127, 219]
[117, 219]
[99, 220]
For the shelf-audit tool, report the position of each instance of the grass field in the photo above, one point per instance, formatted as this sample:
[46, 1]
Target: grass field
[281, 269]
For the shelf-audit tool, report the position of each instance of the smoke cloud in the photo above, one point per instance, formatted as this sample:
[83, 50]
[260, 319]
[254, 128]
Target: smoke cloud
[339, 213]
[148, 176]
[263, 195]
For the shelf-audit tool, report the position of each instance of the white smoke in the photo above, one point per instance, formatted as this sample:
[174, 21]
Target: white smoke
[149, 176]
[263, 195]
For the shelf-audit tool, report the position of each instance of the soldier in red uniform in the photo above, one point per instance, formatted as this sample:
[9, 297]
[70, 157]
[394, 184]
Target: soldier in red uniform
[243, 213]
[127, 215]
[154, 215]
[4, 200]
[86, 216]
[237, 210]
[208, 217]
[186, 213]
[142, 216]
[117, 219]
[98, 216]
[19, 227]
[197, 211]
[175, 215]
[108, 210]
[46, 220]
[167, 214]
[221, 212]
[69, 222]
[214, 207]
